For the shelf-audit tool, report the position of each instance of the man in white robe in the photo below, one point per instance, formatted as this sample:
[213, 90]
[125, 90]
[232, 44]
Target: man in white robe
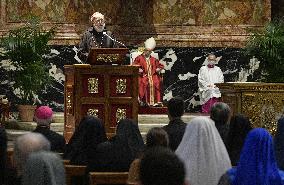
[207, 77]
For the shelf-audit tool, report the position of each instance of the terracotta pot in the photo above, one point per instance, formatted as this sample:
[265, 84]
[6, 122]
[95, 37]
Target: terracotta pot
[26, 112]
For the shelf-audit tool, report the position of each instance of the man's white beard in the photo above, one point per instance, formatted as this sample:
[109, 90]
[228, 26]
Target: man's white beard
[99, 28]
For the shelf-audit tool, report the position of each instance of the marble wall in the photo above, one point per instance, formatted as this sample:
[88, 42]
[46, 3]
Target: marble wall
[175, 23]
[133, 12]
[180, 78]
[185, 30]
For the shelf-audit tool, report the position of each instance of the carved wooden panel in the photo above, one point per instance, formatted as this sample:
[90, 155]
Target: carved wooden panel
[112, 95]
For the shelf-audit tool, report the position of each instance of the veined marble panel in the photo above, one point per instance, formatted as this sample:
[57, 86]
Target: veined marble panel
[133, 12]
[180, 78]
[175, 23]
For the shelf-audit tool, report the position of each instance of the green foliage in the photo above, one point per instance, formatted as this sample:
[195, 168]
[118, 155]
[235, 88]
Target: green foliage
[268, 47]
[25, 47]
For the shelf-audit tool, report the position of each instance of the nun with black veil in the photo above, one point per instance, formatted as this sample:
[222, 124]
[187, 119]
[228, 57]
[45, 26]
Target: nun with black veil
[118, 153]
[85, 139]
[279, 143]
[238, 130]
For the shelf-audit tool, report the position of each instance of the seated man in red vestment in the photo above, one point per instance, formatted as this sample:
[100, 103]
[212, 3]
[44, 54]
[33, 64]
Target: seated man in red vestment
[149, 78]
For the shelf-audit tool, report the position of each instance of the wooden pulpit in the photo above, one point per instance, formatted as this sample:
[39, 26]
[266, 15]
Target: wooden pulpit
[109, 92]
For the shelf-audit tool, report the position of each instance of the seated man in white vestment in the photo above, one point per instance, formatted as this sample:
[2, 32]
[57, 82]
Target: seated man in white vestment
[208, 75]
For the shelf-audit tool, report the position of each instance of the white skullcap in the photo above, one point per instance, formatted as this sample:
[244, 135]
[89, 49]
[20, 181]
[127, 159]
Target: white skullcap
[97, 15]
[150, 43]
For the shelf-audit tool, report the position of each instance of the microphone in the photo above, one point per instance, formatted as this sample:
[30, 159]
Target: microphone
[114, 40]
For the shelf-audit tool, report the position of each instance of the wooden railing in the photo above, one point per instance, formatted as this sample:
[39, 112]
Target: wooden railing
[108, 178]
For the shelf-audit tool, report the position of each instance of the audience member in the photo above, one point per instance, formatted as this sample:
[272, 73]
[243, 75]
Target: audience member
[85, 139]
[203, 152]
[44, 168]
[155, 137]
[257, 164]
[279, 143]
[43, 117]
[176, 126]
[3, 154]
[23, 147]
[239, 127]
[118, 153]
[220, 113]
[160, 166]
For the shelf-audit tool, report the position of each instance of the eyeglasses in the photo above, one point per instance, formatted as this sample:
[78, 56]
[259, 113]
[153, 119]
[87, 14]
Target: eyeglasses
[99, 21]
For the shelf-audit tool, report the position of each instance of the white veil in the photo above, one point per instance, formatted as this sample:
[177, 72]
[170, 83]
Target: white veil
[203, 152]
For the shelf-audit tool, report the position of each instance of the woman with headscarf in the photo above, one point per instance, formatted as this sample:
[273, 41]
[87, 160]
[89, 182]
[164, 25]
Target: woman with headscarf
[44, 168]
[203, 152]
[257, 164]
[85, 139]
[155, 137]
[118, 153]
[238, 130]
[279, 143]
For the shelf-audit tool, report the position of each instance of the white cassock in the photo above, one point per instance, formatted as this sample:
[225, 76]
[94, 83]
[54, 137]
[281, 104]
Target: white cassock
[209, 76]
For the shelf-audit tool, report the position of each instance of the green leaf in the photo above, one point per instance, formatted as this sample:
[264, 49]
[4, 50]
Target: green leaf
[268, 46]
[25, 47]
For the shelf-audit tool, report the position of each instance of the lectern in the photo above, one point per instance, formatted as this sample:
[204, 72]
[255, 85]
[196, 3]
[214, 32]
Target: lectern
[109, 92]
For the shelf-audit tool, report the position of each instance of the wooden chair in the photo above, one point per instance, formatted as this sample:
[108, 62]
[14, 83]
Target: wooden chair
[10, 157]
[108, 178]
[73, 171]
[66, 161]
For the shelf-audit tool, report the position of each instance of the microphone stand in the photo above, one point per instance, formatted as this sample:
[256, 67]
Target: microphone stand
[113, 39]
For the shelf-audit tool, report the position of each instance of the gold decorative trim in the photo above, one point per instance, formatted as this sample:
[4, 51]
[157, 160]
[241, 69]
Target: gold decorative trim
[257, 86]
[120, 114]
[151, 82]
[263, 103]
[69, 100]
[121, 86]
[93, 85]
[263, 109]
[107, 58]
[93, 112]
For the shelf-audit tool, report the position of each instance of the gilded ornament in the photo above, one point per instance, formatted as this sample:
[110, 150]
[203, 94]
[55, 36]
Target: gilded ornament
[93, 85]
[120, 114]
[107, 58]
[93, 112]
[121, 86]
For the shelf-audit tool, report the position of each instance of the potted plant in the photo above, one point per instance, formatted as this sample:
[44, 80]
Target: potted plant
[25, 48]
[267, 46]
